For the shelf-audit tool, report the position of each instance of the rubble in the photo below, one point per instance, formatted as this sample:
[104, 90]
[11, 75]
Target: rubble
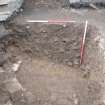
[86, 3]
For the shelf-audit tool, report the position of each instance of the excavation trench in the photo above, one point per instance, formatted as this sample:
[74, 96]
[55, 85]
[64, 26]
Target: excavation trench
[50, 72]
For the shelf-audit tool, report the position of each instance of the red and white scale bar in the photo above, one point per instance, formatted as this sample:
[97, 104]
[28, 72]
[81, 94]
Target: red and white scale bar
[82, 50]
[67, 21]
[50, 21]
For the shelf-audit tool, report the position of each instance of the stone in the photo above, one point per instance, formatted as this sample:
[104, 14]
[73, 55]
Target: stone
[13, 85]
[16, 66]
[76, 62]
[82, 67]
[29, 96]
[75, 99]
[75, 47]
[9, 7]
[70, 64]
[3, 58]
[3, 31]
[21, 102]
[8, 102]
[66, 39]
[64, 101]
[28, 27]
[77, 55]
[5, 76]
[16, 96]
[7, 67]
[1, 70]
[4, 2]
[55, 39]
[86, 74]
[61, 49]
[64, 25]
[21, 10]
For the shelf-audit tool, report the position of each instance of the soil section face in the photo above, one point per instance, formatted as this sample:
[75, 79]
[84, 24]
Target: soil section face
[50, 71]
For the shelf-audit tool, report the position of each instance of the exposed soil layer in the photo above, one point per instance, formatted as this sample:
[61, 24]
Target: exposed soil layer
[50, 72]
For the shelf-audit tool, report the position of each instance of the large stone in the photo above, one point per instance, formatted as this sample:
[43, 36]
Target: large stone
[8, 7]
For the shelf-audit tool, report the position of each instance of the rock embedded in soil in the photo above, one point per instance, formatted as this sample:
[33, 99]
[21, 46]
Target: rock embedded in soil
[29, 97]
[15, 66]
[76, 62]
[8, 103]
[13, 85]
[22, 98]
[3, 57]
[3, 31]
[69, 63]
[17, 95]
[5, 76]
